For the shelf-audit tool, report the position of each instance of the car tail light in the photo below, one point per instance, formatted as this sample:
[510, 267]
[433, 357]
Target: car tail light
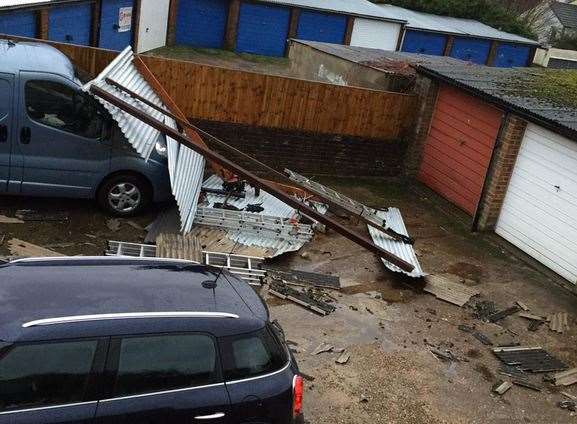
[298, 389]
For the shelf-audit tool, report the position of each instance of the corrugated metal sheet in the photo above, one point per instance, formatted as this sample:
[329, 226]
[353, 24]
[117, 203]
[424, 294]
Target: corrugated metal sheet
[404, 251]
[448, 25]
[362, 8]
[186, 167]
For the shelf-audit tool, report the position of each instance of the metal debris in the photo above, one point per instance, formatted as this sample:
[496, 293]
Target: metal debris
[23, 249]
[501, 387]
[559, 322]
[343, 358]
[449, 291]
[532, 359]
[282, 291]
[302, 278]
[322, 348]
[178, 246]
[498, 316]
[565, 378]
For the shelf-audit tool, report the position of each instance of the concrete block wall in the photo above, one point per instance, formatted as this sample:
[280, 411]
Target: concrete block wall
[499, 175]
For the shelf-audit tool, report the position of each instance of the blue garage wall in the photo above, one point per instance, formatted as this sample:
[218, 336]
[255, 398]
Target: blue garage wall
[471, 50]
[323, 27]
[512, 55]
[262, 29]
[201, 23]
[22, 24]
[424, 43]
[70, 24]
[110, 38]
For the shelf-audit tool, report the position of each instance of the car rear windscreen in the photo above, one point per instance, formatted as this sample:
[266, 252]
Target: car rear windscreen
[252, 354]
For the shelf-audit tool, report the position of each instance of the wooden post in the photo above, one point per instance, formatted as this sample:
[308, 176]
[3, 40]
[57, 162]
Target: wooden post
[401, 38]
[449, 45]
[294, 22]
[135, 24]
[492, 54]
[43, 23]
[349, 31]
[95, 25]
[232, 25]
[171, 25]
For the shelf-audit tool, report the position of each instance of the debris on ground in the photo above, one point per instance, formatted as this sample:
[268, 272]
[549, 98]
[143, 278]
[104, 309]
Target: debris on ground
[513, 372]
[531, 317]
[565, 378]
[304, 299]
[571, 405]
[498, 316]
[113, 224]
[29, 215]
[484, 309]
[343, 358]
[559, 322]
[7, 220]
[522, 306]
[443, 288]
[301, 278]
[534, 325]
[532, 359]
[322, 348]
[445, 355]
[568, 395]
[476, 334]
[178, 246]
[527, 384]
[22, 249]
[501, 387]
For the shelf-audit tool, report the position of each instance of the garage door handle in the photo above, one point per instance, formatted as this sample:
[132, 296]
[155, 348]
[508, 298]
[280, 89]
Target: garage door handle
[210, 417]
[25, 135]
[3, 133]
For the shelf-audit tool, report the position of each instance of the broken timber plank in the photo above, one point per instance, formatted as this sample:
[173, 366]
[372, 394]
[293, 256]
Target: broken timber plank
[501, 387]
[449, 291]
[531, 316]
[23, 249]
[301, 278]
[559, 322]
[565, 378]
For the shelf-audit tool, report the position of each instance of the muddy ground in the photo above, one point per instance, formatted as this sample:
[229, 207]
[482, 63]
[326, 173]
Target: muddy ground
[387, 322]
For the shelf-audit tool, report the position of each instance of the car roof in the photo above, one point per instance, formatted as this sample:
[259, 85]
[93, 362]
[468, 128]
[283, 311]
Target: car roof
[16, 56]
[47, 288]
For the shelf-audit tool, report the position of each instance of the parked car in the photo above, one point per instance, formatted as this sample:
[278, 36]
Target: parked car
[58, 141]
[119, 340]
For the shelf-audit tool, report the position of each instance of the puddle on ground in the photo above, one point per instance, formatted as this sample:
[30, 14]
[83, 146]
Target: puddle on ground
[467, 271]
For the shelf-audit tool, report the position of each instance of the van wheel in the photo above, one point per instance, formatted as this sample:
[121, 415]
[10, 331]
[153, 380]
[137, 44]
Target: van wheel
[124, 195]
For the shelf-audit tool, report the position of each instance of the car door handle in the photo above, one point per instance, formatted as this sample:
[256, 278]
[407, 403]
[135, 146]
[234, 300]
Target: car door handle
[3, 133]
[210, 417]
[25, 135]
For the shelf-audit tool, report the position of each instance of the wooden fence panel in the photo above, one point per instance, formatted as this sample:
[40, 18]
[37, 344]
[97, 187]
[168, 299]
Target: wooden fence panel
[227, 95]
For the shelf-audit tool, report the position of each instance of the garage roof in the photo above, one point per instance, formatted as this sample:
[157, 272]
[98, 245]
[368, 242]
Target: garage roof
[362, 8]
[20, 4]
[547, 97]
[448, 25]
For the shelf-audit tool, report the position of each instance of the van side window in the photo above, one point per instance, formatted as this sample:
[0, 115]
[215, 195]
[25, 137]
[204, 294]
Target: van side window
[59, 106]
[251, 355]
[158, 363]
[47, 374]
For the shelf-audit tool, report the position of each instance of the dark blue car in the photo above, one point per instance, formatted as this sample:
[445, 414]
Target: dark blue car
[113, 340]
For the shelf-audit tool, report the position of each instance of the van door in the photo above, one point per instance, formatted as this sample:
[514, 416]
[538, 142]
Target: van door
[59, 139]
[6, 116]
[164, 379]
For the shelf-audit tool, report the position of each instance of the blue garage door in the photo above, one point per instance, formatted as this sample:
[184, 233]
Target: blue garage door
[22, 24]
[201, 23]
[262, 29]
[512, 55]
[70, 24]
[471, 50]
[323, 27]
[111, 35]
[424, 43]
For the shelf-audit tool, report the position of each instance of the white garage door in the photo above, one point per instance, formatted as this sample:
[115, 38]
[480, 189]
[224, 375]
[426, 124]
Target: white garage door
[539, 213]
[375, 34]
[152, 26]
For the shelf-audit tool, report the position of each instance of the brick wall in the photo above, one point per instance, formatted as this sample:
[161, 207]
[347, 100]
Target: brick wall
[310, 153]
[427, 91]
[499, 175]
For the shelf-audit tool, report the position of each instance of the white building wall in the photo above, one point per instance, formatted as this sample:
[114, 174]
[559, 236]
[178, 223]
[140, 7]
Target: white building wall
[375, 34]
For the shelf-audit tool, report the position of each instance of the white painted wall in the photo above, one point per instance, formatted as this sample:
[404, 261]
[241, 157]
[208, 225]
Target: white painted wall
[375, 34]
[153, 24]
[540, 206]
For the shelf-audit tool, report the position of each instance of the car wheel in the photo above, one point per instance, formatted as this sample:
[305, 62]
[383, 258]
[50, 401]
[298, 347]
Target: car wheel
[124, 195]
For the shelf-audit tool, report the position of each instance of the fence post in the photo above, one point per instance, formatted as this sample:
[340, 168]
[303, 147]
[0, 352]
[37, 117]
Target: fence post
[43, 23]
[232, 25]
[171, 25]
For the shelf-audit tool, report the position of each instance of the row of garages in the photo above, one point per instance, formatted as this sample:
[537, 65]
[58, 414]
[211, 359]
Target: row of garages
[506, 158]
[262, 27]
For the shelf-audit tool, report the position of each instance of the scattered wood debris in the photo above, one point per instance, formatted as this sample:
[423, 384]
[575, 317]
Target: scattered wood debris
[7, 220]
[531, 317]
[282, 291]
[501, 387]
[559, 322]
[534, 325]
[23, 249]
[476, 334]
[498, 316]
[301, 278]
[29, 215]
[178, 246]
[445, 355]
[532, 359]
[565, 378]
[343, 358]
[522, 306]
[484, 309]
[527, 384]
[445, 289]
[322, 348]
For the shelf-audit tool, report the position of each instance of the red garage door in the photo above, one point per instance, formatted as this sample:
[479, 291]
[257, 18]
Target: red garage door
[458, 149]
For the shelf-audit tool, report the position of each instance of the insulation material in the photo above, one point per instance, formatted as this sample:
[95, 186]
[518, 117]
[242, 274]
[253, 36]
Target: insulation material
[186, 167]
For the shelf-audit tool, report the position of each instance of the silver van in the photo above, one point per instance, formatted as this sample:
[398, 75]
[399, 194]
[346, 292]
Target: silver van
[57, 141]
